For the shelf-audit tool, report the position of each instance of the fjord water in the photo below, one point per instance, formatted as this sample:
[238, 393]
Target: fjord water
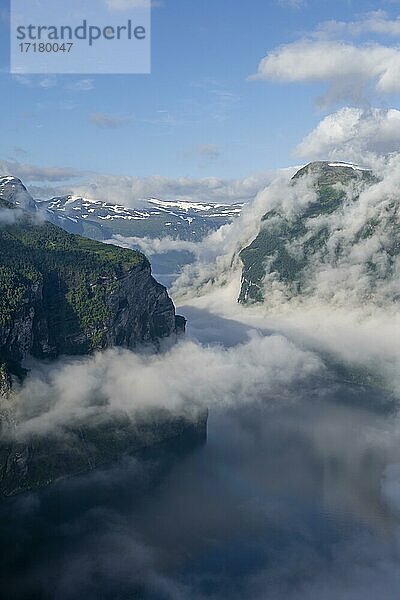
[293, 499]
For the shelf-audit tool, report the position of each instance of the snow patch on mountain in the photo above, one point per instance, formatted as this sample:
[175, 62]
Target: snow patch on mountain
[348, 166]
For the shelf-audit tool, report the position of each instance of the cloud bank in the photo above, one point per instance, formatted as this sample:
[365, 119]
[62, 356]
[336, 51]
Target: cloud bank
[347, 69]
[330, 55]
[110, 382]
[131, 190]
[152, 246]
[353, 134]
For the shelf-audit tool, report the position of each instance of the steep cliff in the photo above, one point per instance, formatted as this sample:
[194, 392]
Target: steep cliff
[62, 294]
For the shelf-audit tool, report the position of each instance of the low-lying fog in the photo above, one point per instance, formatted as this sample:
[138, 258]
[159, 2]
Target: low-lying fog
[295, 496]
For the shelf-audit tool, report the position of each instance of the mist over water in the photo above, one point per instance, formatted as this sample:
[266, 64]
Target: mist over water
[295, 495]
[277, 503]
[292, 497]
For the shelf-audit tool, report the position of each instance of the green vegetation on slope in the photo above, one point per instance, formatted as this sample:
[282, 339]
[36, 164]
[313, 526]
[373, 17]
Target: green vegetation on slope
[76, 272]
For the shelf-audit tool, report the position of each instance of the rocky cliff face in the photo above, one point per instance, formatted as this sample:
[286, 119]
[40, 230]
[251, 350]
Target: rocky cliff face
[62, 294]
[140, 310]
[137, 310]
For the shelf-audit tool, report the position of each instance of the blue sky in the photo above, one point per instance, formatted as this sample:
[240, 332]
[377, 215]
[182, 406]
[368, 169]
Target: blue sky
[198, 114]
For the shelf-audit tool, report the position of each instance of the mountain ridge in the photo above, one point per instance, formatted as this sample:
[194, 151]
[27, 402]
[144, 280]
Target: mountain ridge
[101, 219]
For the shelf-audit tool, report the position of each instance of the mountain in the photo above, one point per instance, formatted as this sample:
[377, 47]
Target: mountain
[323, 242]
[99, 219]
[62, 294]
[13, 190]
[153, 218]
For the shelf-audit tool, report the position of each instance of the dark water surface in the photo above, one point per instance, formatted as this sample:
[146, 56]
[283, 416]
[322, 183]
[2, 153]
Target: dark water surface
[280, 503]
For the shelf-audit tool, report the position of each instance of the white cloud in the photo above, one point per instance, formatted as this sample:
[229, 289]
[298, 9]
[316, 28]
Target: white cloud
[377, 22]
[345, 67]
[80, 85]
[151, 246]
[328, 55]
[131, 190]
[353, 134]
[54, 398]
